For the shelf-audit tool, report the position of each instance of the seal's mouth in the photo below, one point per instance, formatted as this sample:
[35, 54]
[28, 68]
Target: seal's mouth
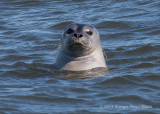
[77, 45]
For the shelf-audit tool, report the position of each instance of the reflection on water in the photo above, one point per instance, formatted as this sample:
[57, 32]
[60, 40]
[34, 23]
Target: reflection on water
[92, 73]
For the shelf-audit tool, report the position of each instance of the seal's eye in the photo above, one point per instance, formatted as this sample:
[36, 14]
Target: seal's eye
[89, 33]
[69, 31]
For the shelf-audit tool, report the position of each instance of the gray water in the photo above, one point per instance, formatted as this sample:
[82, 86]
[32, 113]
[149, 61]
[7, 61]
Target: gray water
[29, 35]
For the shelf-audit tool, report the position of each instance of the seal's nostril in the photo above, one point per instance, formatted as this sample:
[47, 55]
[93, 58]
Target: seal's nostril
[81, 35]
[78, 35]
[75, 35]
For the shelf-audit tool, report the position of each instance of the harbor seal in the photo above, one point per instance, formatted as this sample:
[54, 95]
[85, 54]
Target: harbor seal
[80, 49]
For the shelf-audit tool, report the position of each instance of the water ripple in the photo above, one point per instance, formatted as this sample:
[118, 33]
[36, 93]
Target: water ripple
[30, 32]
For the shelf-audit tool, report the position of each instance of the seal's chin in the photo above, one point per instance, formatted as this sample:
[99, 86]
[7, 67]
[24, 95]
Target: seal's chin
[77, 46]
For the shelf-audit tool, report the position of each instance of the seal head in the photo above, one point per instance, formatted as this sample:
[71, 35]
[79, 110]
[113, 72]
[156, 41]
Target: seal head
[80, 46]
[80, 39]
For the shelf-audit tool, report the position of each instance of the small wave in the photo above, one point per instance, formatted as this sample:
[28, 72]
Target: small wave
[61, 25]
[154, 32]
[130, 98]
[80, 90]
[120, 81]
[58, 12]
[2, 28]
[145, 90]
[133, 78]
[24, 70]
[143, 2]
[143, 49]
[51, 99]
[143, 65]
[29, 3]
[113, 24]
[145, 79]
[13, 58]
[151, 86]
[7, 109]
[120, 35]
[152, 76]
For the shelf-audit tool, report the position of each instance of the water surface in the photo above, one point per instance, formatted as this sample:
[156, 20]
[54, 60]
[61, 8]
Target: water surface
[30, 31]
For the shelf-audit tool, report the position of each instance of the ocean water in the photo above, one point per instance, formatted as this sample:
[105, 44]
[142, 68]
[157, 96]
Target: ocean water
[29, 36]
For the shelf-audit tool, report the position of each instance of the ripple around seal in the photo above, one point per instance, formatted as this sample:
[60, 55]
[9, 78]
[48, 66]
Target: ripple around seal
[30, 31]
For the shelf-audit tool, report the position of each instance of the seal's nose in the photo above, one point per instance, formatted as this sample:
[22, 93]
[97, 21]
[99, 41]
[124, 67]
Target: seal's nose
[77, 35]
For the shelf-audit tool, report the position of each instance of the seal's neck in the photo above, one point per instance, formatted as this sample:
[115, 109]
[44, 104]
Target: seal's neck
[65, 61]
[79, 58]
